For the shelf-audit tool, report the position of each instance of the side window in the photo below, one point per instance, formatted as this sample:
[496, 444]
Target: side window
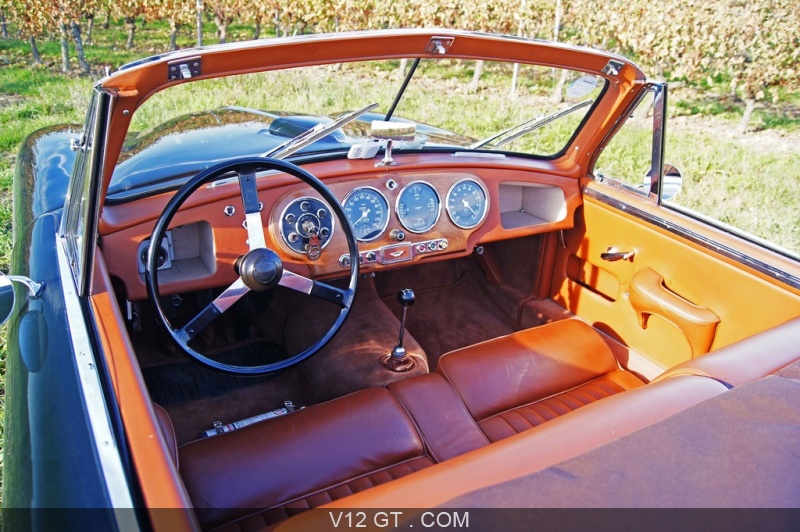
[747, 184]
[627, 158]
[78, 227]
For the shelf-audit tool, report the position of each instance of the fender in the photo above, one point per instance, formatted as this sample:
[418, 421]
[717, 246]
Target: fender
[42, 173]
[49, 450]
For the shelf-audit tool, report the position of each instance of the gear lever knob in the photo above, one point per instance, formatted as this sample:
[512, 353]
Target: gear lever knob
[406, 297]
[398, 359]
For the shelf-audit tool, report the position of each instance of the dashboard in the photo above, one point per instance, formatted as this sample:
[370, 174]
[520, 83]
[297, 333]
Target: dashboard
[398, 217]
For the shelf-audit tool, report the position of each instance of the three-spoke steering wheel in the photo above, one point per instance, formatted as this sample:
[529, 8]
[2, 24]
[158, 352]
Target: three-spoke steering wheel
[259, 269]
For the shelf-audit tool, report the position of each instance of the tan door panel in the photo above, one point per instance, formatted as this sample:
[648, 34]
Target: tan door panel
[663, 295]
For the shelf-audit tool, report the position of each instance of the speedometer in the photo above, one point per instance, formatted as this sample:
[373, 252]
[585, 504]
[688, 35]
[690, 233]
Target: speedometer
[368, 213]
[418, 207]
[466, 203]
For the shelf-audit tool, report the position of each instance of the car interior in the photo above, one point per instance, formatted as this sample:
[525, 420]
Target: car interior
[508, 314]
[504, 338]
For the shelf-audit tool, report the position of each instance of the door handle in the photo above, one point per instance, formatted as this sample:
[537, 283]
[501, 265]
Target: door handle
[612, 254]
[649, 295]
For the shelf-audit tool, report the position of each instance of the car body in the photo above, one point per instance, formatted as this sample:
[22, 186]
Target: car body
[496, 241]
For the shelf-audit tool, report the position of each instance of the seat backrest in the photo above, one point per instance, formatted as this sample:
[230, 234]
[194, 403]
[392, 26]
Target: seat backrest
[746, 360]
[270, 463]
[501, 374]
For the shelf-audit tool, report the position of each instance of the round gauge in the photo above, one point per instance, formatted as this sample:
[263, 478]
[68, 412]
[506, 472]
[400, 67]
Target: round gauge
[418, 207]
[466, 203]
[368, 213]
[305, 220]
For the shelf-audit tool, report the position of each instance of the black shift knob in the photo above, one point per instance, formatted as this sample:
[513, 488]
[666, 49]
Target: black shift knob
[406, 297]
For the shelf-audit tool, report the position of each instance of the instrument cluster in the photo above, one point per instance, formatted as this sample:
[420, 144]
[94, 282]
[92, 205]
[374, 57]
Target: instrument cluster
[400, 221]
[418, 207]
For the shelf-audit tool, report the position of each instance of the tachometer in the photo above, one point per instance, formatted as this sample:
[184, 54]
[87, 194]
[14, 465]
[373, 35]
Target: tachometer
[368, 213]
[466, 203]
[418, 207]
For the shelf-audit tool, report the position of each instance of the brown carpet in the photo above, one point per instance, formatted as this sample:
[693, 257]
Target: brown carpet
[350, 362]
[452, 316]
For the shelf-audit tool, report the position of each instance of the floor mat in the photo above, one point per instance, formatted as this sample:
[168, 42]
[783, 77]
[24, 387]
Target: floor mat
[449, 317]
[186, 381]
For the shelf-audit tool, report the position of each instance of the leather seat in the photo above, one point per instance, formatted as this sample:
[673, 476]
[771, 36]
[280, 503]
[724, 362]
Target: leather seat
[268, 471]
[517, 382]
[746, 360]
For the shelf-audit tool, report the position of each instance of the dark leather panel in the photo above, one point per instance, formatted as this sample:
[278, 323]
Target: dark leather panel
[564, 438]
[270, 463]
[527, 366]
[532, 415]
[746, 360]
[442, 418]
[168, 431]
[274, 515]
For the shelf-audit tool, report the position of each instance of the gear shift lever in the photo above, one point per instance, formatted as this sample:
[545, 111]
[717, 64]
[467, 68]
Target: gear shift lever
[398, 360]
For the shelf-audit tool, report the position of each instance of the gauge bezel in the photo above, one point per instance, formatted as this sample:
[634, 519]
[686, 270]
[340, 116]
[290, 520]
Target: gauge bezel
[438, 206]
[388, 213]
[283, 215]
[485, 204]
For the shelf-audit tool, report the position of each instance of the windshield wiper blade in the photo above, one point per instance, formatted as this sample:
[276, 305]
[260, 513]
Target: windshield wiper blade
[310, 136]
[526, 127]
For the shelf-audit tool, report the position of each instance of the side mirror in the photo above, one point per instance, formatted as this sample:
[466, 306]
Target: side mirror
[8, 297]
[673, 182]
[672, 185]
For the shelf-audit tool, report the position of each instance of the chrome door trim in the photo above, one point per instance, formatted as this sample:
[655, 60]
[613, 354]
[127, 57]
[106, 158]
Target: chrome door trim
[705, 242]
[108, 452]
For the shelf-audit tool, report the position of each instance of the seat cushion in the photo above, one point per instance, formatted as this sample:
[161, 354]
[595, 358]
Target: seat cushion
[301, 460]
[518, 381]
[526, 417]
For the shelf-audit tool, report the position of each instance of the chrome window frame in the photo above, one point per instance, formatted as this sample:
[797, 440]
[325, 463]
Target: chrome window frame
[82, 205]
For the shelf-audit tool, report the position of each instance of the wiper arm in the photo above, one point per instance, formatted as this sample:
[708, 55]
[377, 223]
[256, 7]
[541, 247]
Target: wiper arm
[310, 136]
[524, 128]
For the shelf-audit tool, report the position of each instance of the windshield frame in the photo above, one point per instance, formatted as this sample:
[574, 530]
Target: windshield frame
[136, 83]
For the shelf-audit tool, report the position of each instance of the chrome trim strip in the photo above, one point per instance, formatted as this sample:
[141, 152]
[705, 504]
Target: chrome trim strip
[107, 451]
[700, 240]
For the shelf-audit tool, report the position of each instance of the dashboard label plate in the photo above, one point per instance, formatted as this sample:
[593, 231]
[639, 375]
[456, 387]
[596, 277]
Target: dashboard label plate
[396, 253]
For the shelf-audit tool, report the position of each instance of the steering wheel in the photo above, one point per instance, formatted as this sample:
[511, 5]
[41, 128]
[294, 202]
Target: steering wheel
[259, 269]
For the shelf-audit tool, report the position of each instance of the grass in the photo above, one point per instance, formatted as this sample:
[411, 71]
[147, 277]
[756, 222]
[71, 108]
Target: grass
[746, 182]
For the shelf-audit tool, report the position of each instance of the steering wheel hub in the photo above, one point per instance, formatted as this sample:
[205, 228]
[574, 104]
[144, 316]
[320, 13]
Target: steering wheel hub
[260, 269]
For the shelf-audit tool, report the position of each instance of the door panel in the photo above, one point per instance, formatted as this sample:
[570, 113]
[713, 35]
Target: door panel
[676, 296]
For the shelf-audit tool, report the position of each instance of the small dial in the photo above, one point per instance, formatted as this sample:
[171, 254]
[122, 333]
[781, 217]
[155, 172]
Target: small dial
[306, 221]
[466, 203]
[368, 213]
[418, 207]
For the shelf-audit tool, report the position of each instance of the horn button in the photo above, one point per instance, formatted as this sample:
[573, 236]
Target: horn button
[260, 269]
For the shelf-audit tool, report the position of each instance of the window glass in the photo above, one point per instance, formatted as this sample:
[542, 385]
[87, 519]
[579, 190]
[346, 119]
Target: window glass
[750, 182]
[627, 157]
[456, 104]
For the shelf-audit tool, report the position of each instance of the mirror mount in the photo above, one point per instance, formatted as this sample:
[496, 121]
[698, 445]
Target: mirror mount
[35, 289]
[7, 297]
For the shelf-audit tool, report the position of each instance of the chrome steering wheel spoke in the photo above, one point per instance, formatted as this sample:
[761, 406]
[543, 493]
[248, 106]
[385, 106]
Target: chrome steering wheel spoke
[206, 317]
[252, 211]
[326, 292]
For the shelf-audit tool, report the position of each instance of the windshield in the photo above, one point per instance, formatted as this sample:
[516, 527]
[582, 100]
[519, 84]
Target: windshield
[455, 104]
